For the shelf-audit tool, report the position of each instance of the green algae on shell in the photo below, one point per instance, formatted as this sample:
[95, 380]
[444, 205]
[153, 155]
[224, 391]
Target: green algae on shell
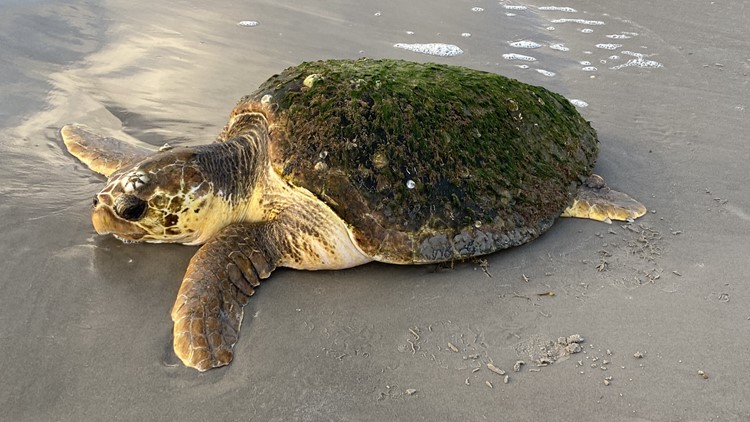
[427, 162]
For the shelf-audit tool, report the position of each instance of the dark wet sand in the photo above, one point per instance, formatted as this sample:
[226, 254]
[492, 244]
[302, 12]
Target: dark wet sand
[84, 320]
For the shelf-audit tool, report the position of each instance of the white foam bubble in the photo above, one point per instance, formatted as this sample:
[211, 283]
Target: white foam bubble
[477, 9]
[587, 30]
[512, 7]
[514, 56]
[550, 28]
[525, 44]
[522, 66]
[433, 49]
[546, 72]
[510, 15]
[378, 13]
[585, 63]
[465, 34]
[559, 47]
[618, 36]
[409, 32]
[589, 69]
[614, 57]
[608, 46]
[639, 62]
[558, 9]
[578, 21]
[247, 24]
[579, 103]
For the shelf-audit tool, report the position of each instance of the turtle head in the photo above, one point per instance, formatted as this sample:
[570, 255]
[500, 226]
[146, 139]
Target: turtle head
[167, 197]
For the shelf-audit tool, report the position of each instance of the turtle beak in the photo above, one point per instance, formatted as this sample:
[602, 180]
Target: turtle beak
[105, 222]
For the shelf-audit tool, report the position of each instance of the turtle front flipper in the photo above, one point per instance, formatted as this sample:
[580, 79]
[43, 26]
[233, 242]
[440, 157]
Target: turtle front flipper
[596, 201]
[219, 281]
[103, 155]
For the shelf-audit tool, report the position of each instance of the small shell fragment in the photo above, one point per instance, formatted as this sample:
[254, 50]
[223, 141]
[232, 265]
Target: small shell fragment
[638, 355]
[410, 391]
[506, 379]
[489, 384]
[495, 369]
[453, 348]
[575, 338]
[311, 79]
[517, 366]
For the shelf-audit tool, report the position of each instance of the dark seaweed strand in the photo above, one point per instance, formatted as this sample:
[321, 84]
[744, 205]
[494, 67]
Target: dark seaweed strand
[482, 149]
[233, 167]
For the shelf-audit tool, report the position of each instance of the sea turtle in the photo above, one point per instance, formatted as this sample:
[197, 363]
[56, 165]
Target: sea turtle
[332, 164]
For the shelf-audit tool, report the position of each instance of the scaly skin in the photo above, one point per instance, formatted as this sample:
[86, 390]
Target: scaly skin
[219, 281]
[102, 155]
[300, 232]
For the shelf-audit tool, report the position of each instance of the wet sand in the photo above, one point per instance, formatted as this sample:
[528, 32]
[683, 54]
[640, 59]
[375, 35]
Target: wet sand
[85, 319]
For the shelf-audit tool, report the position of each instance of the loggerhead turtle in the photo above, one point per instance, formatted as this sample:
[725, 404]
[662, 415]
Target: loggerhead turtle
[333, 164]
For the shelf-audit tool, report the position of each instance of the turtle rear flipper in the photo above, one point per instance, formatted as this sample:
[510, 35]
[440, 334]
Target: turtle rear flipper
[596, 201]
[101, 154]
[219, 281]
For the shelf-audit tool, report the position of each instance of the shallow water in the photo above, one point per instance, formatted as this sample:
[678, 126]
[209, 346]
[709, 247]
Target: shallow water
[85, 326]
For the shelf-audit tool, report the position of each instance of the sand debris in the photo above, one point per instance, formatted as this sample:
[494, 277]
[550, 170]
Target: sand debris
[495, 369]
[545, 352]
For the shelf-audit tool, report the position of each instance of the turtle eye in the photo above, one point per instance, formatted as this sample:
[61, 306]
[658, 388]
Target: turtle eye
[130, 207]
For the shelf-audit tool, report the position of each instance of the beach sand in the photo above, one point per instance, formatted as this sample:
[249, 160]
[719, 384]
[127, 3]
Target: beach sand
[662, 304]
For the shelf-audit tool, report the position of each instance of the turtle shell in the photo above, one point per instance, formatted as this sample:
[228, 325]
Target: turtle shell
[427, 162]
